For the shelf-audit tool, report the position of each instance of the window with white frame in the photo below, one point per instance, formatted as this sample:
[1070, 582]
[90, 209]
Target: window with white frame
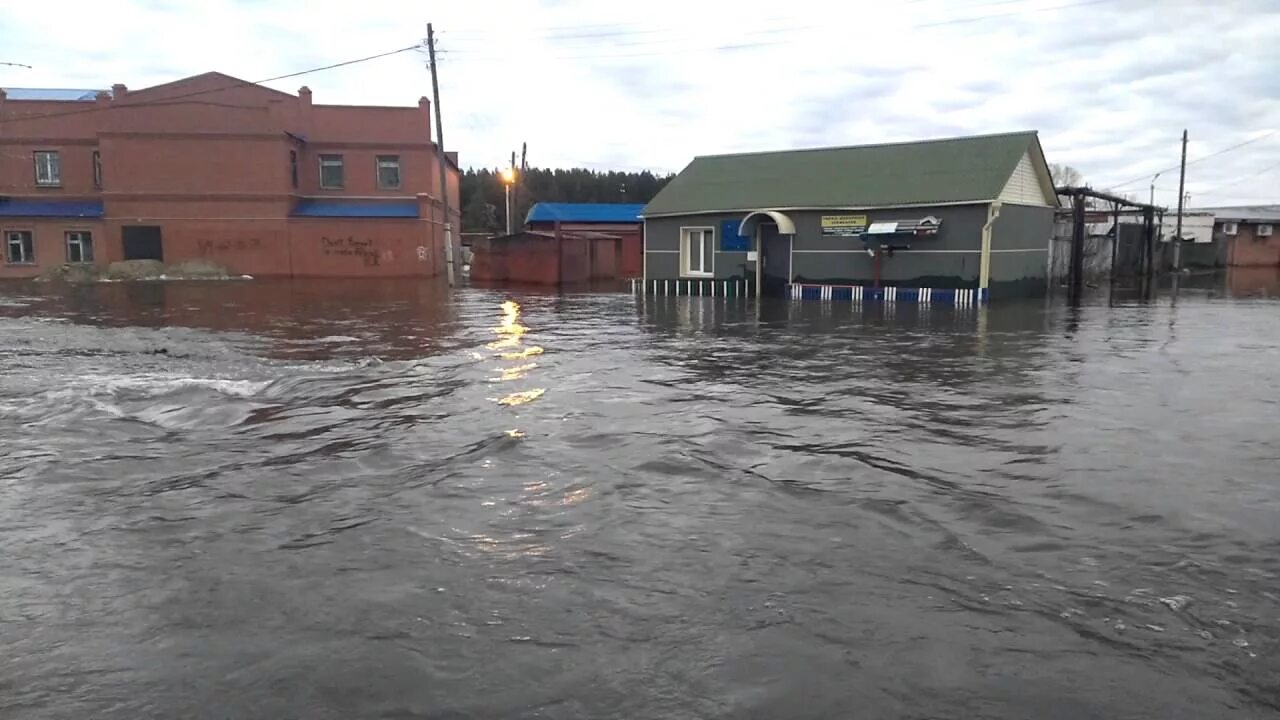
[388, 172]
[1230, 228]
[697, 251]
[79, 246]
[332, 173]
[48, 168]
[1265, 230]
[19, 247]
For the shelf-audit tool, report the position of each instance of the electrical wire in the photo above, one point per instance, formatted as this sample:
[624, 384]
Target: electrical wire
[565, 32]
[1213, 190]
[465, 57]
[1223, 151]
[172, 98]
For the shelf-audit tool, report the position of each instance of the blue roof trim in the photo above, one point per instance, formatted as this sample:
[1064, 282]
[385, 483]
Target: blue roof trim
[357, 209]
[58, 94]
[585, 212]
[51, 208]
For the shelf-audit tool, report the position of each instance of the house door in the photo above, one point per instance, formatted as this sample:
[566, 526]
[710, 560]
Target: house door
[142, 242]
[775, 260]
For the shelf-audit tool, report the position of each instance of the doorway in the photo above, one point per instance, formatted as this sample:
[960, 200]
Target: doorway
[775, 260]
[773, 232]
[142, 242]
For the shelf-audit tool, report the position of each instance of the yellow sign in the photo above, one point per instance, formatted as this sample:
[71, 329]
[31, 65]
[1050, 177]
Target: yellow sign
[843, 224]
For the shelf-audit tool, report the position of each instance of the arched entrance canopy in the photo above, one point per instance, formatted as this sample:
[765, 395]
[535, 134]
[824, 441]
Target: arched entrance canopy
[750, 227]
[753, 220]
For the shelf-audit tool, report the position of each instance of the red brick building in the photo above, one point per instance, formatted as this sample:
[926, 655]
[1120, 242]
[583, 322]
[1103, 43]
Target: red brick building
[211, 167]
[1251, 232]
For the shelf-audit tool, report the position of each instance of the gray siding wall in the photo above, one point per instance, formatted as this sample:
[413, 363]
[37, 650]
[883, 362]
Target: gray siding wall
[1020, 249]
[950, 259]
[662, 247]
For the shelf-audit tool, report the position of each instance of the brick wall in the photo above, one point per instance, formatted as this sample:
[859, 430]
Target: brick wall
[49, 242]
[1249, 250]
[382, 247]
[207, 159]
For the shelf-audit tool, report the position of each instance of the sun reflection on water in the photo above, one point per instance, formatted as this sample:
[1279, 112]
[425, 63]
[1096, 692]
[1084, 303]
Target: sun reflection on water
[512, 332]
[520, 398]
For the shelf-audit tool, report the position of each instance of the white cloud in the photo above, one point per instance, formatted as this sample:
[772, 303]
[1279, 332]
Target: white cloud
[1110, 84]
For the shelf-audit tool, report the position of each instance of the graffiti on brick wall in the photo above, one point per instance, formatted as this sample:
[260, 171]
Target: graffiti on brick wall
[207, 246]
[353, 247]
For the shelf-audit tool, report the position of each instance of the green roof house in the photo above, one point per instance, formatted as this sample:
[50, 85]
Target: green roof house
[955, 220]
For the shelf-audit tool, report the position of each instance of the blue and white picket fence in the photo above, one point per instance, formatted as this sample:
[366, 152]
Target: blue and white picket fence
[960, 297]
[694, 288]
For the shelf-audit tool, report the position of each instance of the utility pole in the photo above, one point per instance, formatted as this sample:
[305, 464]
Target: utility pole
[442, 160]
[524, 149]
[1182, 182]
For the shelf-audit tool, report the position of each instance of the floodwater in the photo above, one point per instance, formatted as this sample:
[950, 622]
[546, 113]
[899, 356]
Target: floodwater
[370, 500]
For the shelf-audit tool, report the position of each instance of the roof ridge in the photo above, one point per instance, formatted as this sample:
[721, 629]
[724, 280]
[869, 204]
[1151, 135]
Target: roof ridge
[927, 141]
[216, 74]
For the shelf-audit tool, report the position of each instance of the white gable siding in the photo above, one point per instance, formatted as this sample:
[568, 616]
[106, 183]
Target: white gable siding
[1024, 186]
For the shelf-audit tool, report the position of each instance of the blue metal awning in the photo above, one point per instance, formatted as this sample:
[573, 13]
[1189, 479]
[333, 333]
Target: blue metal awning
[357, 208]
[50, 208]
[585, 212]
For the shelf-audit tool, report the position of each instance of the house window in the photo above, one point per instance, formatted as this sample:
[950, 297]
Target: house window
[1264, 230]
[1230, 228]
[48, 168]
[331, 172]
[696, 251]
[79, 246]
[388, 172]
[97, 169]
[19, 247]
[293, 167]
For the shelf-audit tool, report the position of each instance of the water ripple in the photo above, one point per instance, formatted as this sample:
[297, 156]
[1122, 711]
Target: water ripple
[383, 500]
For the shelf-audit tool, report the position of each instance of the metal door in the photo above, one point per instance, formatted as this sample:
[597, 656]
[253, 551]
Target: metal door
[142, 242]
[776, 260]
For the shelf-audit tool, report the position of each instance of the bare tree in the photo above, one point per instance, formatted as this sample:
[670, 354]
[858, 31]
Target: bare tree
[1065, 175]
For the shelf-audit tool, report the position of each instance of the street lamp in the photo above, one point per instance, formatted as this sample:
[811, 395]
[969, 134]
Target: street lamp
[508, 179]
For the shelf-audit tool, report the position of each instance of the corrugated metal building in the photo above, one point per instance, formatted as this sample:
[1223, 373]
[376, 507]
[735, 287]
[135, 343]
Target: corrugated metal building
[619, 219]
[536, 257]
[949, 220]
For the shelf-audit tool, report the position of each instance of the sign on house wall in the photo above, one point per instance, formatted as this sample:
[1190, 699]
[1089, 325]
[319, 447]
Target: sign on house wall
[843, 225]
[730, 240]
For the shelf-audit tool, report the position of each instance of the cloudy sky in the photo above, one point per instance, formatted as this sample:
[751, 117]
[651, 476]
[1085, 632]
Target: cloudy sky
[1110, 84]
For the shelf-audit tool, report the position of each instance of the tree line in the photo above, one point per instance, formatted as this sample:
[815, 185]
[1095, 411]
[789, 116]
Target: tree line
[484, 198]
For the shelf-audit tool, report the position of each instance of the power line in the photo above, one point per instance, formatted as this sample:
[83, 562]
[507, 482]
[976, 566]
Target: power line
[1200, 159]
[241, 83]
[1213, 190]
[766, 43]
[959, 21]
[568, 31]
